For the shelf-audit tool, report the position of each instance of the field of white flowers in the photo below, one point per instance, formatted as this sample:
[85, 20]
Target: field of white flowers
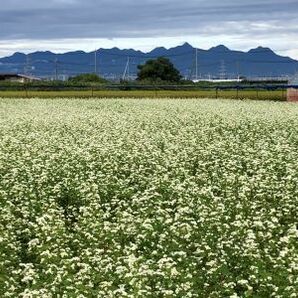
[148, 198]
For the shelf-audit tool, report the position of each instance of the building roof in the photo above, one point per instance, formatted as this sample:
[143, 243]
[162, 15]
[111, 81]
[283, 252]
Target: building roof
[16, 75]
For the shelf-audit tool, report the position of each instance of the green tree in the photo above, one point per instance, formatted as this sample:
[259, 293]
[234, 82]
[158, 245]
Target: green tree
[87, 78]
[160, 69]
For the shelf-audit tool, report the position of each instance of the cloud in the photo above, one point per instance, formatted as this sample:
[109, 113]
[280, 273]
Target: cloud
[131, 19]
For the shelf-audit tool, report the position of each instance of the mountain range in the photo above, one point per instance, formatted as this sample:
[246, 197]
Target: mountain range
[192, 63]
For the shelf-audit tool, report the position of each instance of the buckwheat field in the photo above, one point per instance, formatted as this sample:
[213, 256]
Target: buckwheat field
[148, 198]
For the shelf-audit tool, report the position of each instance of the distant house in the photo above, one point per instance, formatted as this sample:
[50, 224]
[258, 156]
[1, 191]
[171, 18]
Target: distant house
[236, 80]
[18, 78]
[292, 93]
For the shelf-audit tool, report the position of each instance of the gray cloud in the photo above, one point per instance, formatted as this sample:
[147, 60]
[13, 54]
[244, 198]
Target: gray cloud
[34, 19]
[80, 24]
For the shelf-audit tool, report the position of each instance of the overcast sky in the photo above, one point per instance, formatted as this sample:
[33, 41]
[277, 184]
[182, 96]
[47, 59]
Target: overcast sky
[64, 25]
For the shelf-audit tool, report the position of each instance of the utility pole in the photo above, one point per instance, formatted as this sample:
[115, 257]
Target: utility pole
[95, 61]
[238, 70]
[56, 69]
[196, 64]
[128, 61]
[126, 70]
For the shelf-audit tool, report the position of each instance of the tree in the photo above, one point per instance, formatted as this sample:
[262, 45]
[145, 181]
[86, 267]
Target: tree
[87, 78]
[160, 69]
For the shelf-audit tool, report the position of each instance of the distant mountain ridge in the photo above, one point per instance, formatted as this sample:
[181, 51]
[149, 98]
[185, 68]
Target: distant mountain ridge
[216, 62]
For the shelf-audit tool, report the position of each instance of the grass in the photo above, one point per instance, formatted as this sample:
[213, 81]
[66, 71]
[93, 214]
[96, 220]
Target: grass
[241, 94]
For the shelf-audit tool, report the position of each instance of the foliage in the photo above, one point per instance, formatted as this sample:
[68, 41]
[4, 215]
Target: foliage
[148, 198]
[158, 70]
[148, 92]
[87, 78]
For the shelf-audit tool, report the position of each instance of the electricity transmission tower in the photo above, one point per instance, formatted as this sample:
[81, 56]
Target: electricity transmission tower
[196, 64]
[238, 69]
[222, 70]
[193, 75]
[27, 66]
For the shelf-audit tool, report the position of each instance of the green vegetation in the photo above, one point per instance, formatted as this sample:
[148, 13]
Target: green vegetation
[159, 70]
[142, 89]
[148, 198]
[87, 78]
[279, 95]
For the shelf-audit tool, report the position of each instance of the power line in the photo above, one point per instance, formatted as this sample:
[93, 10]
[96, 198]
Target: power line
[69, 66]
[145, 57]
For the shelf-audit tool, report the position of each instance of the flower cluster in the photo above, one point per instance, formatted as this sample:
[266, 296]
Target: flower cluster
[148, 198]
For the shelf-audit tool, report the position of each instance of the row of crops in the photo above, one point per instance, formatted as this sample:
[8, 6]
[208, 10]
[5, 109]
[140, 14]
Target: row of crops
[275, 95]
[148, 198]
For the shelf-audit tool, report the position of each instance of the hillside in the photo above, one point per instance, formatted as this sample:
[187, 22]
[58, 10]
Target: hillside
[215, 62]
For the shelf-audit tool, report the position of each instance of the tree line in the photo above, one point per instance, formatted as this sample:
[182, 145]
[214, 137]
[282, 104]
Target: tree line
[157, 70]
